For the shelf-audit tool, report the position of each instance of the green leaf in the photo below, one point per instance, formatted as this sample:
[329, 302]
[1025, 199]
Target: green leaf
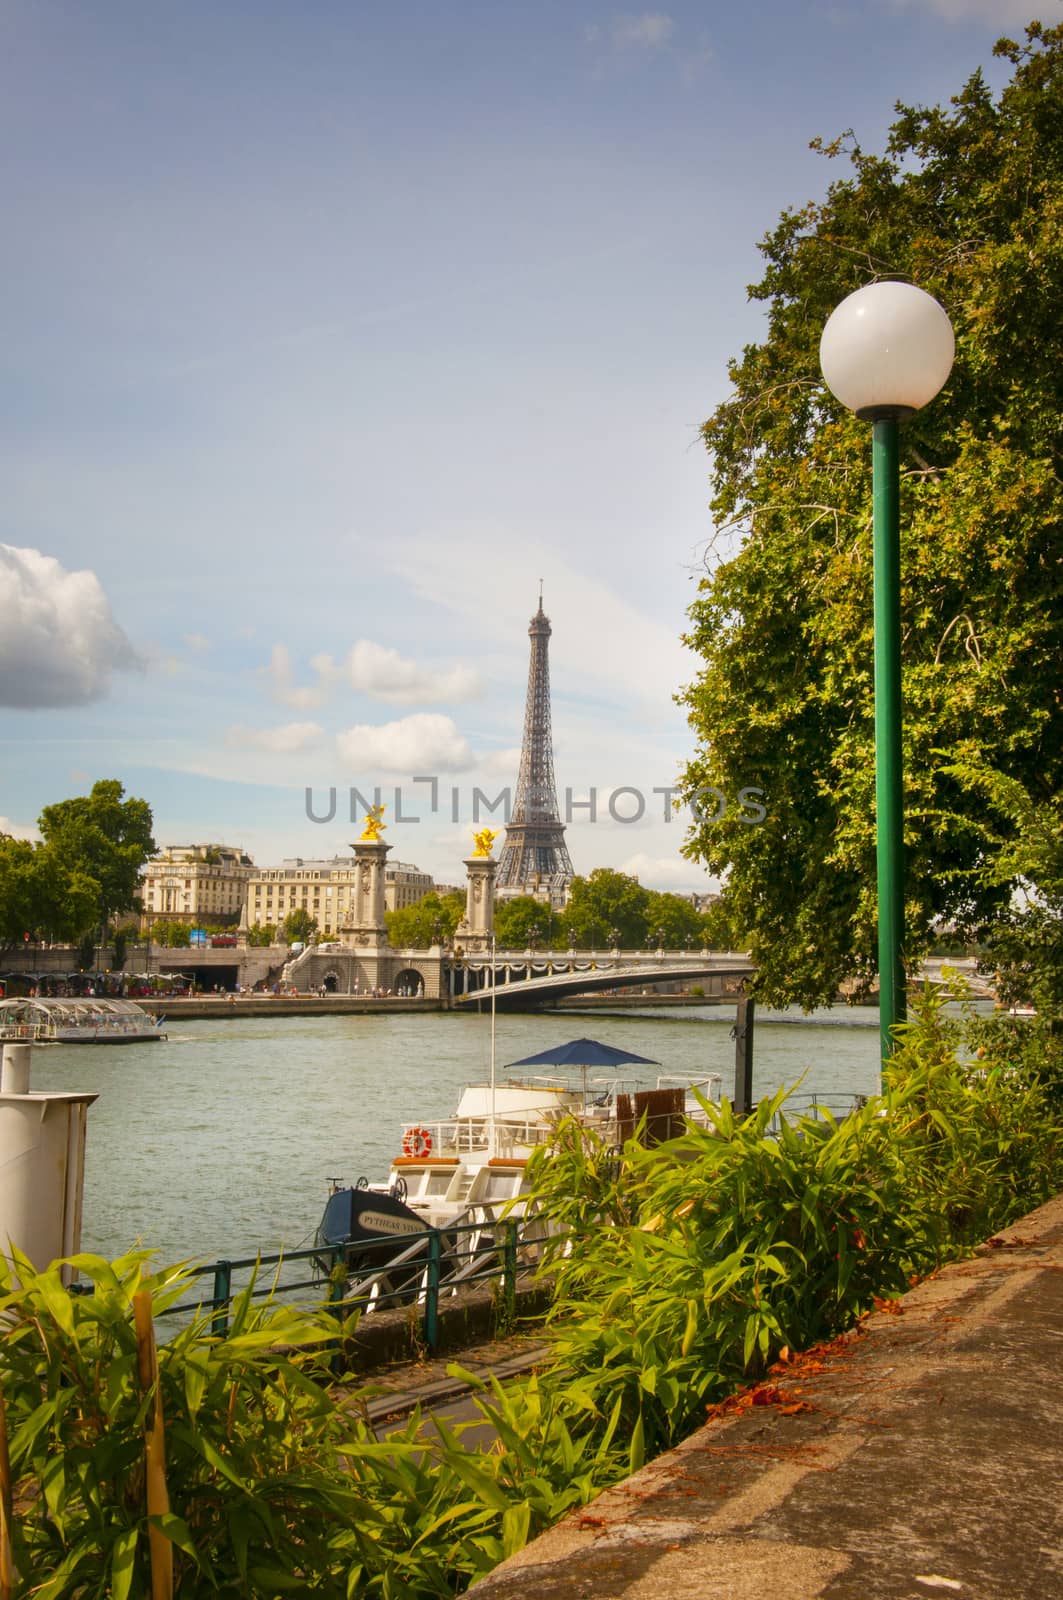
[516, 1524]
[636, 1455]
[123, 1563]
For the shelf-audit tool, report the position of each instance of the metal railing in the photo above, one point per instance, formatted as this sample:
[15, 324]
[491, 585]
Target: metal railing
[434, 1266]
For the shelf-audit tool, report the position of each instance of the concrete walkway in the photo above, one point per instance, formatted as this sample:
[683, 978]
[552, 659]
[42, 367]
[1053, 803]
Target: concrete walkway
[920, 1456]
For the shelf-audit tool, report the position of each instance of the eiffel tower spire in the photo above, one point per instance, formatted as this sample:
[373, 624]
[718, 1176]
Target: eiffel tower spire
[535, 857]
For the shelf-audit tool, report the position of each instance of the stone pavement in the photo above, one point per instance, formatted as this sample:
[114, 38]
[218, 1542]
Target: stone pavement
[920, 1456]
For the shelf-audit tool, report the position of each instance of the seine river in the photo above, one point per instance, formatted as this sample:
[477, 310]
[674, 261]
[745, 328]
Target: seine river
[221, 1140]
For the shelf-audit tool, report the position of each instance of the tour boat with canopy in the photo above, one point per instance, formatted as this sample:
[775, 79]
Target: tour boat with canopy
[76, 1021]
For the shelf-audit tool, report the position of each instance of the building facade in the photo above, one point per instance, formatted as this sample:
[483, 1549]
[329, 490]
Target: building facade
[195, 883]
[325, 889]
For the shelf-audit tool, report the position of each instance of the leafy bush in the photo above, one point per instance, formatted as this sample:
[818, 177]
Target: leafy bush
[713, 1252]
[252, 1440]
[697, 1262]
[276, 1484]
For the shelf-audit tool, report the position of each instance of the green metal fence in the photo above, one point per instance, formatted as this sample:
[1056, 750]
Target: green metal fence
[434, 1265]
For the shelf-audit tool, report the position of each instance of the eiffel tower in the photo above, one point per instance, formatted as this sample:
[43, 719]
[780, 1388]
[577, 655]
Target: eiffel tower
[535, 857]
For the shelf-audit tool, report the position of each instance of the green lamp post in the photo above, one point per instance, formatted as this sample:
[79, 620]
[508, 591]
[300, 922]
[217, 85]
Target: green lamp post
[885, 352]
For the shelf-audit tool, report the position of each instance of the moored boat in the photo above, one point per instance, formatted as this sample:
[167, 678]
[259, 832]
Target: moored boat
[83, 1021]
[471, 1169]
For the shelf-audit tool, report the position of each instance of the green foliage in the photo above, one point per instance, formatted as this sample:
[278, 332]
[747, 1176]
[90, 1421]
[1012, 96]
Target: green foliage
[605, 908]
[256, 1488]
[41, 895]
[713, 1252]
[979, 1141]
[104, 837]
[1023, 945]
[430, 921]
[276, 1485]
[967, 203]
[525, 921]
[697, 1262]
[173, 935]
[262, 934]
[672, 923]
[298, 926]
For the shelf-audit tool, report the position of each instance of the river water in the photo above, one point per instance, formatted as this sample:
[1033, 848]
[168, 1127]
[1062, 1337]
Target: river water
[221, 1140]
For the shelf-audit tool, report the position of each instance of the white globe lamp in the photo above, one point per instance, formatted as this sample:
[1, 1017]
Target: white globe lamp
[886, 350]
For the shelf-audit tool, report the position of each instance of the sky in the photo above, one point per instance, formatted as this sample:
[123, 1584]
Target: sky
[329, 330]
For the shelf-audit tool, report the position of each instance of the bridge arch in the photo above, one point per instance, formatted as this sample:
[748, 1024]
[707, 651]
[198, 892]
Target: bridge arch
[409, 982]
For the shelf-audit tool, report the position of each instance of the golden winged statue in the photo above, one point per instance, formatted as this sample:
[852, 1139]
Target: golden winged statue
[484, 840]
[374, 823]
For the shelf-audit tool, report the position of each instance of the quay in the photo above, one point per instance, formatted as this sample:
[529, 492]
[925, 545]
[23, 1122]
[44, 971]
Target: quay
[341, 1005]
[178, 1007]
[919, 1455]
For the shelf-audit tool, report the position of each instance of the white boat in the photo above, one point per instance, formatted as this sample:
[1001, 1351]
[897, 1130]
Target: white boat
[80, 1021]
[475, 1162]
[469, 1172]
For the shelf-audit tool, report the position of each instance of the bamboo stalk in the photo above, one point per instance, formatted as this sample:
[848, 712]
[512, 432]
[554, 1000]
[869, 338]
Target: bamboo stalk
[160, 1550]
[7, 1554]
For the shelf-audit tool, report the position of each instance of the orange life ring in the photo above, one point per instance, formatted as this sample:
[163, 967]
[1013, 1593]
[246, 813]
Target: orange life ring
[416, 1142]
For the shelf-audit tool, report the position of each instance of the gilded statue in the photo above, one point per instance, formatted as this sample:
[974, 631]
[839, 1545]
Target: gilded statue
[484, 840]
[374, 823]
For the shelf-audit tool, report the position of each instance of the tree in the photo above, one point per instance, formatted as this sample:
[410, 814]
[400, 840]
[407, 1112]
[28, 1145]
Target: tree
[522, 920]
[607, 908]
[120, 941]
[173, 935]
[41, 896]
[298, 926]
[967, 202]
[261, 934]
[672, 923]
[105, 837]
[420, 926]
[1024, 942]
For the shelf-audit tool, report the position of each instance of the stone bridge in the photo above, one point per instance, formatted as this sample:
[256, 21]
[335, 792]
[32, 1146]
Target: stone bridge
[524, 980]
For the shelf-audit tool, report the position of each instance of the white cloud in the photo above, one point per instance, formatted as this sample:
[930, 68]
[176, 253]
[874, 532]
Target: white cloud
[423, 743]
[289, 694]
[671, 873]
[284, 740]
[375, 670]
[650, 30]
[18, 830]
[383, 673]
[59, 642]
[1000, 13]
[601, 643]
[500, 763]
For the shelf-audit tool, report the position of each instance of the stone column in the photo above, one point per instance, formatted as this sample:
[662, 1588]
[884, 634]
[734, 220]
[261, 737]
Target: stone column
[366, 925]
[478, 924]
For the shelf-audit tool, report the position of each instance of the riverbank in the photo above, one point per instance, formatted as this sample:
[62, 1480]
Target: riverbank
[181, 1007]
[919, 1454]
[346, 1005]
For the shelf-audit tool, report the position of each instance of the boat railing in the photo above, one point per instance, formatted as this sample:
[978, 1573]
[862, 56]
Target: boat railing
[458, 1136]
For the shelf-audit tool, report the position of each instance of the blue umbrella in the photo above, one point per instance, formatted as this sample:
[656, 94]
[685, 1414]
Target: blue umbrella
[583, 1053]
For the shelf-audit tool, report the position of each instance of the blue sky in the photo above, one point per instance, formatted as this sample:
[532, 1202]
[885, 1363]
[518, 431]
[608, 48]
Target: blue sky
[328, 330]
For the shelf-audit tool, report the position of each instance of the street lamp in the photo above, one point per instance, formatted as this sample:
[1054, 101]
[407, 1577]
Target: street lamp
[886, 351]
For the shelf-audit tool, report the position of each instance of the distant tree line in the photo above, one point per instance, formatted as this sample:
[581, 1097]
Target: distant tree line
[604, 908]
